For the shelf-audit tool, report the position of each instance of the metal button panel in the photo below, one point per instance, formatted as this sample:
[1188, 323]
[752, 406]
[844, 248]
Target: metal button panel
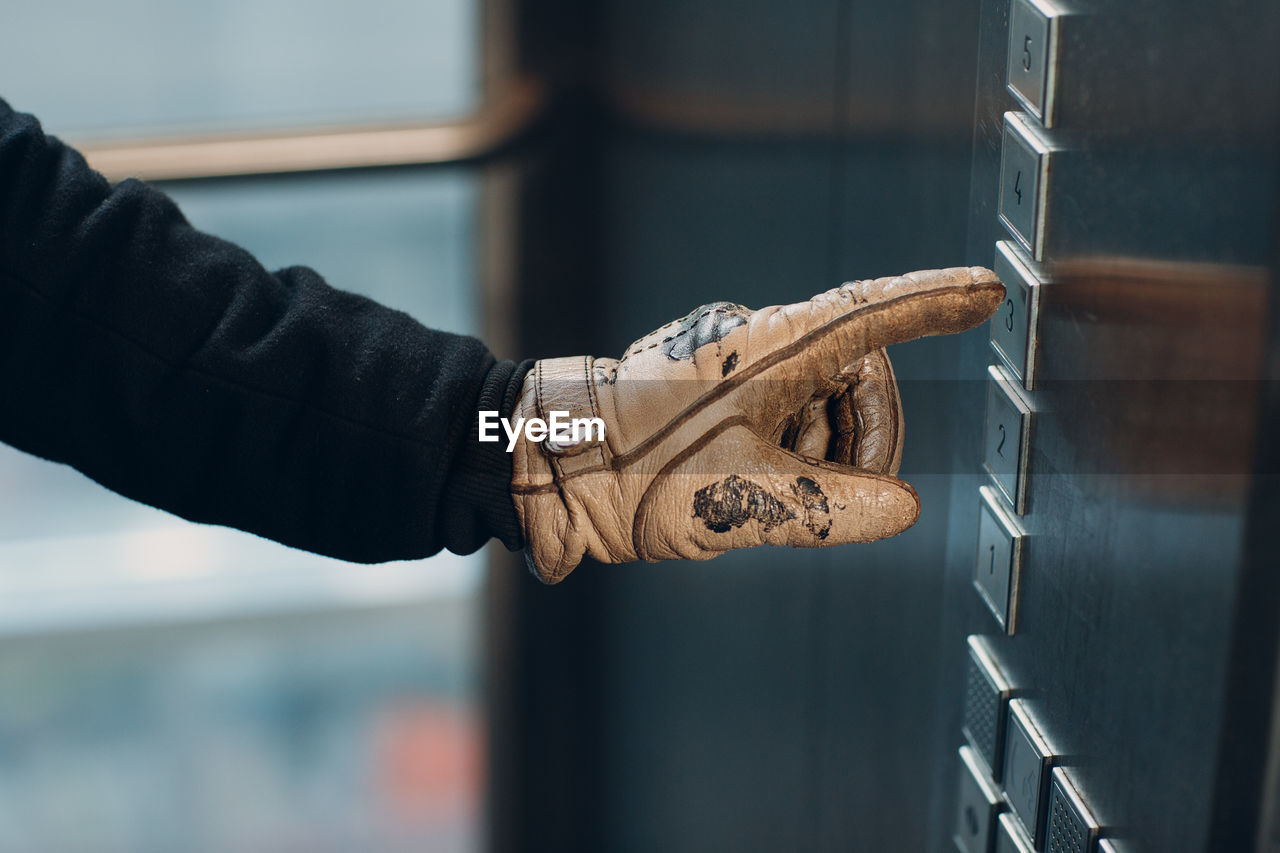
[998, 568]
[1034, 34]
[986, 704]
[1011, 837]
[977, 806]
[1028, 760]
[1026, 164]
[1107, 845]
[1008, 433]
[1014, 326]
[1072, 827]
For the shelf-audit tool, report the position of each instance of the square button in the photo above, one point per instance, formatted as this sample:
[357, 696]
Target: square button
[977, 806]
[1034, 34]
[997, 570]
[1072, 827]
[1028, 760]
[1014, 328]
[1026, 161]
[986, 704]
[1011, 837]
[1007, 437]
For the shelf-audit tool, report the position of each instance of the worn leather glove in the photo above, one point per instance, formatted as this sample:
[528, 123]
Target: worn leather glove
[730, 428]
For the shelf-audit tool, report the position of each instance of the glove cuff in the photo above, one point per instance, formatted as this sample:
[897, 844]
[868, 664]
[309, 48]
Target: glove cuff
[558, 483]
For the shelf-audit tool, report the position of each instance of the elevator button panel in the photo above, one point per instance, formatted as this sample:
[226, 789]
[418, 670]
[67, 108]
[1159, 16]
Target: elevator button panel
[1014, 328]
[997, 571]
[1106, 845]
[1011, 837]
[1007, 437]
[1028, 761]
[986, 704]
[1026, 169]
[1072, 828]
[1034, 35]
[977, 807]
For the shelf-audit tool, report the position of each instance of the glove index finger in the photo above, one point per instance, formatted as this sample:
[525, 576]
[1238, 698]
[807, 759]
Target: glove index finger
[832, 331]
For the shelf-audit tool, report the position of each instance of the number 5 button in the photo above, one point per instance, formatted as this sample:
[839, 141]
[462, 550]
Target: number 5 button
[1034, 33]
[1007, 439]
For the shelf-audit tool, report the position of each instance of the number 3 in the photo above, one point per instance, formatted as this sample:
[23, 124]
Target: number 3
[1008, 321]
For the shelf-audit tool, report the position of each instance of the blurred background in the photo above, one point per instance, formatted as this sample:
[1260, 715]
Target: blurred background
[559, 178]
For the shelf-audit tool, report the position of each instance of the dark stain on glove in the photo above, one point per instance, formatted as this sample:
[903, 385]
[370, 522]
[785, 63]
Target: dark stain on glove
[817, 515]
[735, 500]
[729, 364]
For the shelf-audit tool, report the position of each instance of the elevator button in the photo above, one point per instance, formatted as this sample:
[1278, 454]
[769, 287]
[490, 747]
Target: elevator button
[986, 704]
[1011, 837]
[1028, 760]
[977, 806]
[1034, 33]
[1026, 168]
[1072, 827]
[1014, 326]
[1007, 437]
[998, 567]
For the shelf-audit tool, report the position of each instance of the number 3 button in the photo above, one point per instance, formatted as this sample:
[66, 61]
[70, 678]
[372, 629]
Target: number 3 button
[1014, 327]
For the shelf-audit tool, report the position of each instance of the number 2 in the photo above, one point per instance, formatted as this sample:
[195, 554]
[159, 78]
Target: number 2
[1017, 186]
[1003, 436]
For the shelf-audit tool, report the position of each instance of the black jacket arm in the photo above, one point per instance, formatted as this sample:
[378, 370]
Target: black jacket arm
[169, 366]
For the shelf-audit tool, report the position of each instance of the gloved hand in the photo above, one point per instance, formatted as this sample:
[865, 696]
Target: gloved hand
[730, 428]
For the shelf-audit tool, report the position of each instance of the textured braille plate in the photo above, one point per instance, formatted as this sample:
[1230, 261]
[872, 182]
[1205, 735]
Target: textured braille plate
[986, 704]
[1072, 827]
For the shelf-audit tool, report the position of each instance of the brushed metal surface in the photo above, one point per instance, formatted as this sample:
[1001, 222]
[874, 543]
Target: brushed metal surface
[1140, 632]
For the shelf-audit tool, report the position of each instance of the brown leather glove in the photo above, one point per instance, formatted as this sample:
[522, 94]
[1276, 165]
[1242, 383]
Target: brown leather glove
[730, 428]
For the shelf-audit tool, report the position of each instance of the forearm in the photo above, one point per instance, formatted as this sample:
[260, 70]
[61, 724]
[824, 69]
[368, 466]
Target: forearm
[171, 367]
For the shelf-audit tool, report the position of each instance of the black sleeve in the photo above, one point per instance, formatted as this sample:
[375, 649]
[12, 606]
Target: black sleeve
[169, 366]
